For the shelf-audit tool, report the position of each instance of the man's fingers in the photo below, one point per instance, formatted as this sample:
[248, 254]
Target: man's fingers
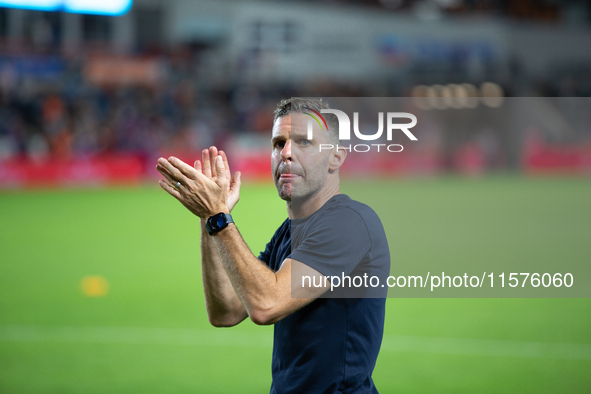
[213, 153]
[171, 190]
[174, 172]
[206, 163]
[197, 165]
[166, 174]
[221, 171]
[226, 165]
[183, 167]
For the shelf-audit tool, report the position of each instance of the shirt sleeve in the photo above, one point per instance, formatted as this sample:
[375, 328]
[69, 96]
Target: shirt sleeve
[265, 255]
[335, 244]
[278, 243]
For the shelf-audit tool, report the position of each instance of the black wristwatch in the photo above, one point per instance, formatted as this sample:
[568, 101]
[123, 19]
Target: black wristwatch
[217, 223]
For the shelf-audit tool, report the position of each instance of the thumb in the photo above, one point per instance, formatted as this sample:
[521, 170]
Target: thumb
[220, 170]
[236, 181]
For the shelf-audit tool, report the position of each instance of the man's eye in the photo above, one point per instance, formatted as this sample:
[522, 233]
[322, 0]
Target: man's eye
[279, 144]
[305, 142]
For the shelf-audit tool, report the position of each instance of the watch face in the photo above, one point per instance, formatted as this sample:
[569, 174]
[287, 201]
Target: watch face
[217, 222]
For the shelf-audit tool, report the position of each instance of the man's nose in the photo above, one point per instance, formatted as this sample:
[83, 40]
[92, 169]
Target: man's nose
[286, 151]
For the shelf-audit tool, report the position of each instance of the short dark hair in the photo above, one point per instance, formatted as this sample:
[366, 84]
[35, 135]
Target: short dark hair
[299, 105]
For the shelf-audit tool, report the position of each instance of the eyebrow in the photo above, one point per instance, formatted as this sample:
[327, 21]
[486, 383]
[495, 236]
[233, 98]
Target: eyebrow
[277, 138]
[299, 134]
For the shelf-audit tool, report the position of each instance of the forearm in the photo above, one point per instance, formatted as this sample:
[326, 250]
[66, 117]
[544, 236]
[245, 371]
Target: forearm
[224, 308]
[255, 284]
[239, 283]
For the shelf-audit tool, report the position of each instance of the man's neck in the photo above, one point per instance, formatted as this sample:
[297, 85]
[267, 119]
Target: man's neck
[303, 209]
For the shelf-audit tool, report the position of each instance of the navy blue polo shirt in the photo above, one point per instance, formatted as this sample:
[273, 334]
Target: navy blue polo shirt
[331, 345]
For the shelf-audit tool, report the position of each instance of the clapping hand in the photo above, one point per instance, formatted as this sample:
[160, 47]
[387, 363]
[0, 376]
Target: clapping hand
[209, 170]
[205, 189]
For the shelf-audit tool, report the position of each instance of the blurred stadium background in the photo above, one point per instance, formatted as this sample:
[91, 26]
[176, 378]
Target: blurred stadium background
[99, 275]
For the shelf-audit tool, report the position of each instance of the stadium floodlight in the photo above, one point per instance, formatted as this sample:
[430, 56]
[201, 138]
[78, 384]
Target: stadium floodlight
[104, 7]
[43, 5]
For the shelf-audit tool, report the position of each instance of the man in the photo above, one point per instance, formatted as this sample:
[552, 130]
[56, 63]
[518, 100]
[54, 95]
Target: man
[321, 344]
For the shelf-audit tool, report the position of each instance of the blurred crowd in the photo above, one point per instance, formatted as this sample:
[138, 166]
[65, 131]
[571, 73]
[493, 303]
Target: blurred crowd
[60, 113]
[64, 115]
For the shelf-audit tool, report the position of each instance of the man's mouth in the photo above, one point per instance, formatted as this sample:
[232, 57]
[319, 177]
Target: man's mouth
[286, 173]
[288, 178]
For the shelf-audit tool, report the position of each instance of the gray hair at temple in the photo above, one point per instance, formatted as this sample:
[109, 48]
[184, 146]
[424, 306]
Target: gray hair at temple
[300, 105]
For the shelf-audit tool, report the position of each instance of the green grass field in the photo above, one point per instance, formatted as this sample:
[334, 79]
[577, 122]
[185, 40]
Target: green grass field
[149, 333]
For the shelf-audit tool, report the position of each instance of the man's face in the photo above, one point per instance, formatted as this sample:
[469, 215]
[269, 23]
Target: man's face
[299, 168]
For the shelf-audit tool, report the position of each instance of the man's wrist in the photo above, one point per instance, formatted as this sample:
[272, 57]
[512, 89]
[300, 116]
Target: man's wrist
[218, 222]
[215, 211]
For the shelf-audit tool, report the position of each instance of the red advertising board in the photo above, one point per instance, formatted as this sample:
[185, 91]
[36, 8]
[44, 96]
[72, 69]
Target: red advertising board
[112, 169]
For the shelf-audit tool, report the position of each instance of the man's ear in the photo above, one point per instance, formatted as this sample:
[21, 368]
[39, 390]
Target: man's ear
[337, 158]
